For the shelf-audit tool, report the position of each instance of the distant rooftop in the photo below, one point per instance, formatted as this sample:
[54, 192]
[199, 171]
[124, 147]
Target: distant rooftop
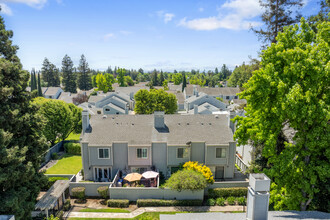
[213, 91]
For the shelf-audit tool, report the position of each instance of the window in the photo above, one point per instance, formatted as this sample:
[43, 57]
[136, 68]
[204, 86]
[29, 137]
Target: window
[182, 152]
[142, 153]
[227, 97]
[107, 110]
[236, 97]
[220, 153]
[139, 170]
[104, 153]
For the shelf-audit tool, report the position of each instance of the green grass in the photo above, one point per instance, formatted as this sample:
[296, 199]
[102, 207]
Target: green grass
[68, 164]
[105, 210]
[73, 136]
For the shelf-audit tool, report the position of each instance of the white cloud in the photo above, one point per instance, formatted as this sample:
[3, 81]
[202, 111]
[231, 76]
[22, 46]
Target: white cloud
[201, 9]
[32, 3]
[5, 9]
[165, 16]
[234, 15]
[108, 36]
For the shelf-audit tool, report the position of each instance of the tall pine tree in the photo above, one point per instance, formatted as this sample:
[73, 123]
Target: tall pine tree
[21, 142]
[84, 77]
[278, 13]
[69, 76]
[39, 86]
[50, 74]
[184, 81]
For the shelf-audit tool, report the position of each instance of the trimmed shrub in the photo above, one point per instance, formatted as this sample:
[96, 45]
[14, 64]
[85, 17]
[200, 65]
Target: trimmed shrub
[78, 192]
[163, 202]
[210, 202]
[241, 200]
[72, 148]
[186, 180]
[227, 192]
[67, 205]
[231, 200]
[54, 156]
[118, 203]
[103, 191]
[220, 201]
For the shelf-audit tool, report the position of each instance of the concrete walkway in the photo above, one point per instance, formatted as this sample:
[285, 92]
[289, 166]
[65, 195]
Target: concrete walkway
[139, 211]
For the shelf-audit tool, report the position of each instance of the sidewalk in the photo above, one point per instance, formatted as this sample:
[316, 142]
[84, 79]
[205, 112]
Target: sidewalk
[139, 211]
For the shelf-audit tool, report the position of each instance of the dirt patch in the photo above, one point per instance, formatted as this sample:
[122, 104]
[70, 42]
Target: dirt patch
[95, 204]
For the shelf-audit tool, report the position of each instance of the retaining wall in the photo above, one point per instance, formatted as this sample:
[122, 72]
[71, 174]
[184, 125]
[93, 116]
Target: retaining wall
[90, 188]
[135, 193]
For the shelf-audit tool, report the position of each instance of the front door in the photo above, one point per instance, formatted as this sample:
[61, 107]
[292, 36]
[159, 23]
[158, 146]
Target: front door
[219, 172]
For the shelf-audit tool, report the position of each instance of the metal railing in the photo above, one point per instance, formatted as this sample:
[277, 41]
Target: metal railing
[240, 163]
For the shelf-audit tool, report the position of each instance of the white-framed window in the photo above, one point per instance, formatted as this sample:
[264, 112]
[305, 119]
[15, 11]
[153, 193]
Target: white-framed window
[104, 153]
[182, 152]
[220, 153]
[142, 153]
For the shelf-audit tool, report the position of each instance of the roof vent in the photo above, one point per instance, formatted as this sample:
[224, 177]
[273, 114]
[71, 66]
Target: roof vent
[187, 123]
[210, 123]
[104, 116]
[216, 116]
[202, 123]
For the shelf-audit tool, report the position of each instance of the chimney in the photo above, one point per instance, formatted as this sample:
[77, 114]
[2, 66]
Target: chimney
[195, 109]
[231, 124]
[258, 197]
[85, 120]
[131, 95]
[195, 90]
[126, 109]
[159, 120]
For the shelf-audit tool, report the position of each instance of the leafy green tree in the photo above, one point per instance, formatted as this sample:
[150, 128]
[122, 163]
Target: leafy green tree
[121, 77]
[242, 74]
[129, 81]
[109, 80]
[50, 74]
[177, 78]
[277, 14]
[60, 118]
[323, 15]
[140, 78]
[165, 84]
[225, 72]
[21, 141]
[101, 83]
[186, 180]
[156, 100]
[69, 76]
[154, 78]
[84, 80]
[291, 90]
[94, 84]
[39, 86]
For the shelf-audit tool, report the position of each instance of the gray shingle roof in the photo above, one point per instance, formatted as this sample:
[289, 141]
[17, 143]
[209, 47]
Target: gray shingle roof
[95, 98]
[117, 108]
[52, 90]
[230, 91]
[139, 129]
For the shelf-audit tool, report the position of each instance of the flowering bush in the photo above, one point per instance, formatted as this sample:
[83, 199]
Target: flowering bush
[200, 168]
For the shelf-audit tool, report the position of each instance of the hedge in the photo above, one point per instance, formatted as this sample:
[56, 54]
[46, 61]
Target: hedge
[103, 191]
[220, 201]
[241, 200]
[210, 202]
[78, 192]
[231, 200]
[118, 203]
[227, 192]
[72, 148]
[162, 202]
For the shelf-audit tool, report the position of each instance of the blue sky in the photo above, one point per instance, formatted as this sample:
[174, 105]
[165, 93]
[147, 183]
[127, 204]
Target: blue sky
[171, 34]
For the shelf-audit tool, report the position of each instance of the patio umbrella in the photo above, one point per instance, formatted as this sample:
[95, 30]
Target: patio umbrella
[150, 174]
[131, 177]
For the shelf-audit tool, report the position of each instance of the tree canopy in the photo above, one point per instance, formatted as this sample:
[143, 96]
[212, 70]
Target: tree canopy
[156, 100]
[21, 141]
[69, 75]
[186, 180]
[242, 73]
[84, 80]
[291, 92]
[50, 74]
[60, 118]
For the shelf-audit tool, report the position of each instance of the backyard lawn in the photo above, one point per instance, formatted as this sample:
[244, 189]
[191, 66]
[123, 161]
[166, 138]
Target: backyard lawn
[146, 215]
[68, 164]
[73, 137]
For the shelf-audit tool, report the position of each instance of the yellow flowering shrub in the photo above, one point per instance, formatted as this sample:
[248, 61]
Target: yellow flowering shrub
[201, 168]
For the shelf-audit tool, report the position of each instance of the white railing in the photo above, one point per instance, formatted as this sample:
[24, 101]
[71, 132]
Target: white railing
[240, 163]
